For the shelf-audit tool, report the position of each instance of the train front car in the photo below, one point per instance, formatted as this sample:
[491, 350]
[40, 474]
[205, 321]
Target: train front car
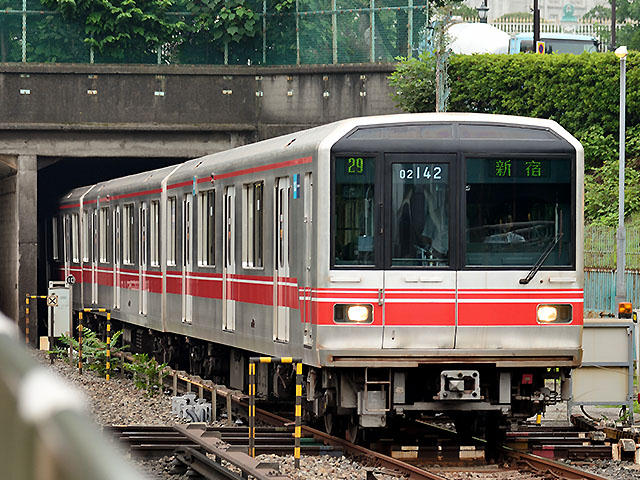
[453, 269]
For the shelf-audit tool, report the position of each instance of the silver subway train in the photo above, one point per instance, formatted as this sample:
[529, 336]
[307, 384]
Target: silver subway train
[418, 263]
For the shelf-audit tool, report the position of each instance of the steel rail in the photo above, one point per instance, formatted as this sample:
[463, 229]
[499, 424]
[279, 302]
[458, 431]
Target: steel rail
[206, 467]
[413, 472]
[546, 465]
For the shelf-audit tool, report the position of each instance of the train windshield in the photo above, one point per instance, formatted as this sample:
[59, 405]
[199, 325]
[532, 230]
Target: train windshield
[515, 209]
[354, 210]
[420, 224]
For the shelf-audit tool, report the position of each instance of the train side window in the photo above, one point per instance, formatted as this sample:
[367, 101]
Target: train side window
[206, 228]
[103, 234]
[66, 235]
[252, 226]
[85, 235]
[54, 238]
[75, 253]
[154, 225]
[171, 237]
[128, 234]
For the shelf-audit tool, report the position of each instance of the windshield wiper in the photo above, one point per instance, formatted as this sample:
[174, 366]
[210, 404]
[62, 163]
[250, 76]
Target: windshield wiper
[543, 257]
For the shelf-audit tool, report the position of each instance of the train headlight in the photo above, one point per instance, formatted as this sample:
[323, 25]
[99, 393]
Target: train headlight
[554, 313]
[353, 314]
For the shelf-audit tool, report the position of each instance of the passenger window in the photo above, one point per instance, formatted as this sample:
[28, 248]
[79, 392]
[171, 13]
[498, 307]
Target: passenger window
[75, 255]
[54, 238]
[206, 228]
[85, 235]
[154, 237]
[252, 226]
[171, 236]
[128, 235]
[104, 225]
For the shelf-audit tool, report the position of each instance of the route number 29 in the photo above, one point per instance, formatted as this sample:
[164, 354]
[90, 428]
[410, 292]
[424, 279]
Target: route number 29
[355, 165]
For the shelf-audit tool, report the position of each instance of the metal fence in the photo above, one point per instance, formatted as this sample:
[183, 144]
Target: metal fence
[600, 267]
[600, 247]
[309, 32]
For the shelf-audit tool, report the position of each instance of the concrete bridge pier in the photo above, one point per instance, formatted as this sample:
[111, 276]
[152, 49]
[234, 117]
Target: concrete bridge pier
[18, 235]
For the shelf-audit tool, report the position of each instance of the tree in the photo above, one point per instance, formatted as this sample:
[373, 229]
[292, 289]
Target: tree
[626, 11]
[119, 30]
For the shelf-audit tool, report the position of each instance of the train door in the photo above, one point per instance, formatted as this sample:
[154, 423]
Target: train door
[142, 264]
[419, 282]
[306, 309]
[94, 256]
[116, 257]
[281, 282]
[187, 258]
[229, 265]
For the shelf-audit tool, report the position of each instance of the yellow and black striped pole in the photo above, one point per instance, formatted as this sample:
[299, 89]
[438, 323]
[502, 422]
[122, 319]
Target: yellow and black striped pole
[298, 427]
[108, 352]
[252, 401]
[80, 342]
[252, 409]
[26, 319]
[108, 344]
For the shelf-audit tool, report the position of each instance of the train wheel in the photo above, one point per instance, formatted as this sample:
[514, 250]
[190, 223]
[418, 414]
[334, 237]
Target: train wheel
[352, 429]
[330, 423]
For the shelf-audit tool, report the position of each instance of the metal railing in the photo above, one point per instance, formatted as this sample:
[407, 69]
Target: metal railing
[46, 431]
[600, 267]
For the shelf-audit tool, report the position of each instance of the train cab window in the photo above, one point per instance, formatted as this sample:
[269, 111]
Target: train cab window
[75, 240]
[54, 238]
[516, 209]
[252, 226]
[85, 235]
[420, 214]
[154, 238]
[103, 233]
[206, 228]
[128, 234]
[171, 234]
[353, 210]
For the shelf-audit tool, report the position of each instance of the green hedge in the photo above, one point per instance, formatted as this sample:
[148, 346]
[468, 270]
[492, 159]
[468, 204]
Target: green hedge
[580, 92]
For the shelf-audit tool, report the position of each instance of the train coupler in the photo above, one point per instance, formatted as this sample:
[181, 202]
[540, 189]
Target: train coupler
[459, 385]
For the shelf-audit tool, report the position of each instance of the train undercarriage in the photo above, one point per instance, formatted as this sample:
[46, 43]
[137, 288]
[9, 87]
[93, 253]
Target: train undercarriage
[480, 398]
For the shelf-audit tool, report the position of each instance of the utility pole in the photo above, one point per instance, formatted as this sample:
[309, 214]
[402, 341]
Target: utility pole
[536, 24]
[613, 26]
[621, 287]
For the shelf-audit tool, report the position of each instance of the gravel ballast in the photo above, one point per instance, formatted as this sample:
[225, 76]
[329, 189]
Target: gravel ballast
[119, 402]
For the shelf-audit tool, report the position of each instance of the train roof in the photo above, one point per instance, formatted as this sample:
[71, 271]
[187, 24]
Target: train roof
[299, 144]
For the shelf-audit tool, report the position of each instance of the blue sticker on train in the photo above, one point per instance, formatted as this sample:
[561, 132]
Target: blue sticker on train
[296, 185]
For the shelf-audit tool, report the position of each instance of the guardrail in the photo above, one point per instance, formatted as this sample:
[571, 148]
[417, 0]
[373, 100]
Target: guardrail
[46, 431]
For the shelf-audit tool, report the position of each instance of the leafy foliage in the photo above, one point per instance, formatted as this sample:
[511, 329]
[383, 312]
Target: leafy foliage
[626, 10]
[147, 373]
[414, 83]
[119, 27]
[94, 350]
[580, 92]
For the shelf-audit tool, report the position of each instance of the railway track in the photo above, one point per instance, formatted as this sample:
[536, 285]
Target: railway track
[280, 440]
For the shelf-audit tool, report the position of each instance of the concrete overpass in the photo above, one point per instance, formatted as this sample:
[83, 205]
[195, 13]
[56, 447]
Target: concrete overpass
[68, 125]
